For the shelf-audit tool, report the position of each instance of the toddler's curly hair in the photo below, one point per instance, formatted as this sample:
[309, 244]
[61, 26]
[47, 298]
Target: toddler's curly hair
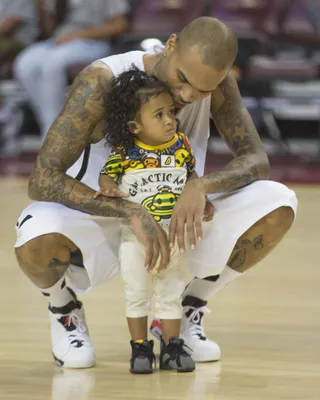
[127, 93]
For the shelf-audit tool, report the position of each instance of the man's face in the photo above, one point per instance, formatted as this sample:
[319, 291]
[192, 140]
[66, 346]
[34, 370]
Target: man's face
[189, 79]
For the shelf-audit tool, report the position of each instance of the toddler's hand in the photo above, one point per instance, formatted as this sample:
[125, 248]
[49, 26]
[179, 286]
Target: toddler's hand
[114, 192]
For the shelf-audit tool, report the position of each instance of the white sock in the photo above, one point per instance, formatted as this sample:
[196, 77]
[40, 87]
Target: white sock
[203, 289]
[58, 294]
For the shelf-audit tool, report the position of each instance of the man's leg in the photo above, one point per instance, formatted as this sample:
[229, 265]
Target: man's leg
[45, 246]
[45, 261]
[251, 247]
[247, 225]
[275, 206]
[254, 245]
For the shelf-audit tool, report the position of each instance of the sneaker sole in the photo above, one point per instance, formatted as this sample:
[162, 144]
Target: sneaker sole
[141, 372]
[62, 364]
[59, 363]
[178, 370]
[205, 358]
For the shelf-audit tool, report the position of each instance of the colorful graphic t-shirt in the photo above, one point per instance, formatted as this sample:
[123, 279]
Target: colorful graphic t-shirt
[153, 175]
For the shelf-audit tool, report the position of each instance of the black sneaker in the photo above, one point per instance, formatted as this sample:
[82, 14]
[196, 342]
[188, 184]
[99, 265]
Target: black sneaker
[173, 357]
[142, 357]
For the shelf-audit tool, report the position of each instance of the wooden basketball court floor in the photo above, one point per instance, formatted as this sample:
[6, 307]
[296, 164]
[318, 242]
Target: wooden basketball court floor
[267, 324]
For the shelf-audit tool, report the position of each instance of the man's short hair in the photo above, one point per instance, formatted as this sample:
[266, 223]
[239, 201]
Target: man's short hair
[218, 45]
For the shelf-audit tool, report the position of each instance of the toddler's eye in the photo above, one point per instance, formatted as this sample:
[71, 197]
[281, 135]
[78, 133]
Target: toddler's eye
[159, 115]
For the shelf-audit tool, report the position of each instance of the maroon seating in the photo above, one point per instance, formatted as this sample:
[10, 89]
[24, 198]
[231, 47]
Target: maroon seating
[154, 19]
[161, 17]
[297, 26]
[263, 67]
[243, 16]
[292, 25]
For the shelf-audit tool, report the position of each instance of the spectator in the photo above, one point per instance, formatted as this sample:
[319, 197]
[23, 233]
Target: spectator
[81, 38]
[18, 27]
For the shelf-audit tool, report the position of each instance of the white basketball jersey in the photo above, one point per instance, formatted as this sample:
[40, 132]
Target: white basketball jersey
[194, 123]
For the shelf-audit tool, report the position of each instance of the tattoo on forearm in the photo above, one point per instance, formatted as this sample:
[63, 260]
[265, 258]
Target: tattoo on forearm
[147, 222]
[237, 129]
[66, 139]
[238, 173]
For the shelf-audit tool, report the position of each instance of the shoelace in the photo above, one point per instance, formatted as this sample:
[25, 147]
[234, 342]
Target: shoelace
[177, 348]
[76, 336]
[195, 322]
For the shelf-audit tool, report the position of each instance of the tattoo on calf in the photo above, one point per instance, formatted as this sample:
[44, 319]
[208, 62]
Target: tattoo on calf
[239, 254]
[238, 259]
[257, 243]
[55, 262]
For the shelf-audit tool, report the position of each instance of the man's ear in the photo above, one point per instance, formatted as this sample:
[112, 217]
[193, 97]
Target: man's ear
[171, 43]
[134, 127]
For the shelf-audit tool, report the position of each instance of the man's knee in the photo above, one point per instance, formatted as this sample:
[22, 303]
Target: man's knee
[261, 238]
[281, 217]
[39, 251]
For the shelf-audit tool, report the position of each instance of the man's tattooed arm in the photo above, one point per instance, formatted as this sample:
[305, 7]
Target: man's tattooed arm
[67, 138]
[236, 127]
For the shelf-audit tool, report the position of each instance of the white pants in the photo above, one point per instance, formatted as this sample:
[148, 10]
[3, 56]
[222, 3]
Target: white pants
[98, 238]
[141, 287]
[42, 71]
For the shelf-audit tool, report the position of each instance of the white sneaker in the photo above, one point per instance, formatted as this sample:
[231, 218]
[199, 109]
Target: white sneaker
[192, 332]
[71, 344]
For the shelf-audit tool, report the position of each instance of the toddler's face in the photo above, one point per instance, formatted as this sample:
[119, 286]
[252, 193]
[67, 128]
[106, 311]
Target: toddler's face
[157, 121]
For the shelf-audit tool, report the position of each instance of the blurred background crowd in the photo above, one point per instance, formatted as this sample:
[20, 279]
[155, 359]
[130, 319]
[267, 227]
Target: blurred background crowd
[44, 44]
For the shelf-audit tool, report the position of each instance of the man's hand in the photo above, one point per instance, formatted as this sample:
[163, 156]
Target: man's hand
[188, 211]
[153, 238]
[111, 192]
